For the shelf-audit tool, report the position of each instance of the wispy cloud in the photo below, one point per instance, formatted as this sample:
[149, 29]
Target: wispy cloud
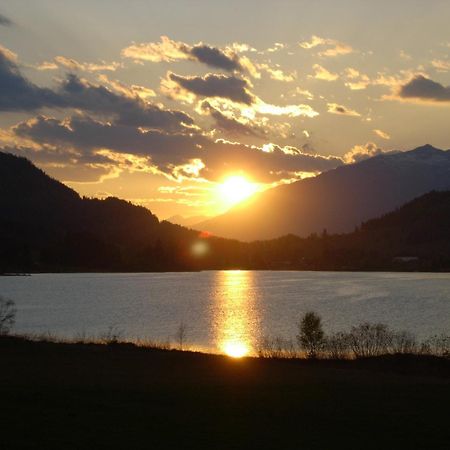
[382, 134]
[332, 48]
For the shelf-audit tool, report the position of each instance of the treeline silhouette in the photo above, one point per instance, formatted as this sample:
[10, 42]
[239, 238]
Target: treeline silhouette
[46, 226]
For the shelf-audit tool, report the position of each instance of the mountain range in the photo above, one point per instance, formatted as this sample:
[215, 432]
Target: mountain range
[46, 226]
[337, 200]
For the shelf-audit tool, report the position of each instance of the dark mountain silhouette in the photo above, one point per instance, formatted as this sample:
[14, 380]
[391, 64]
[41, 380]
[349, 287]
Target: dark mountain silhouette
[337, 200]
[46, 226]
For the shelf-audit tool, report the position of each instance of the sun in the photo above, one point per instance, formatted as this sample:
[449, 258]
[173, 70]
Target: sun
[236, 188]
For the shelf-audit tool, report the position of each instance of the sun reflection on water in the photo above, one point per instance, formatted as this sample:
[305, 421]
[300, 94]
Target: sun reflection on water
[236, 314]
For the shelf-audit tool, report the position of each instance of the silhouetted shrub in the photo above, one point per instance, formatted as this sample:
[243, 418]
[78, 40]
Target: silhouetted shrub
[311, 335]
[438, 345]
[7, 315]
[112, 335]
[276, 347]
[370, 339]
[337, 346]
[403, 342]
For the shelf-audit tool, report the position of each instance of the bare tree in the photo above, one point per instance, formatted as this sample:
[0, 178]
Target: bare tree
[311, 335]
[180, 335]
[7, 315]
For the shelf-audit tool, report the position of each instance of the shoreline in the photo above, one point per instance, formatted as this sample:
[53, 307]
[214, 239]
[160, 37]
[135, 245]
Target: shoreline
[76, 396]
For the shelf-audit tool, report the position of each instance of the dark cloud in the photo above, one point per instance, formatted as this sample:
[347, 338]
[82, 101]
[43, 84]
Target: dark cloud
[5, 21]
[85, 136]
[169, 50]
[19, 94]
[215, 57]
[127, 110]
[425, 89]
[213, 85]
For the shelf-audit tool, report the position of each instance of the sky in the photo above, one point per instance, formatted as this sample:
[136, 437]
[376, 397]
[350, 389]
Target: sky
[165, 103]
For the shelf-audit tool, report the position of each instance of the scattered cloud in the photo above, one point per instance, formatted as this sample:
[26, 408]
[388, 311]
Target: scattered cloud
[441, 65]
[168, 50]
[277, 73]
[335, 108]
[323, 74]
[277, 46]
[355, 80]
[332, 47]
[361, 152]
[73, 65]
[382, 134]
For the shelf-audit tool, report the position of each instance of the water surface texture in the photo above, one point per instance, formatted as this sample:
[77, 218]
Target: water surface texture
[225, 311]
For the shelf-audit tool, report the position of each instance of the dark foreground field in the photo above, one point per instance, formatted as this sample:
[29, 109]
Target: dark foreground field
[61, 396]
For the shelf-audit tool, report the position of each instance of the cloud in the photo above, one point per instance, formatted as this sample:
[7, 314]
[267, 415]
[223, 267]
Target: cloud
[361, 152]
[19, 94]
[169, 51]
[323, 74]
[382, 134]
[73, 65]
[215, 57]
[424, 89]
[232, 125]
[4, 21]
[441, 65]
[355, 80]
[166, 50]
[335, 108]
[277, 73]
[178, 156]
[335, 48]
[213, 85]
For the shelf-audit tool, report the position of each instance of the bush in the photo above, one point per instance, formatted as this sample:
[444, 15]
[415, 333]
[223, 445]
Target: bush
[337, 346]
[438, 345]
[311, 336]
[7, 315]
[403, 342]
[370, 339]
[276, 347]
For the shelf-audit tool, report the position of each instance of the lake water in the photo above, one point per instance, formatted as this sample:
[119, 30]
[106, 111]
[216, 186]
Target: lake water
[225, 311]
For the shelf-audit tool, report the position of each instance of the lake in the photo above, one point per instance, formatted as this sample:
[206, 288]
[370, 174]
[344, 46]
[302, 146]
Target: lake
[225, 311]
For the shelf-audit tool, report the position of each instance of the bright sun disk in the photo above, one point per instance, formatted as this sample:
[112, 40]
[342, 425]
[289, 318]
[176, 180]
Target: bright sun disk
[236, 188]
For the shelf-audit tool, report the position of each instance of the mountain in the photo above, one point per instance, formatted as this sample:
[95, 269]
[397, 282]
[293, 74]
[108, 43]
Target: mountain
[186, 221]
[337, 200]
[416, 236]
[46, 226]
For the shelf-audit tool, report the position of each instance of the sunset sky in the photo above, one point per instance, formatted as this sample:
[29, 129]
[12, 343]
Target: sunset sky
[161, 102]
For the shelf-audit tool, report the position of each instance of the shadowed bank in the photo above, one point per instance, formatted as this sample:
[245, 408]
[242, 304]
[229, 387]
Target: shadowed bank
[79, 396]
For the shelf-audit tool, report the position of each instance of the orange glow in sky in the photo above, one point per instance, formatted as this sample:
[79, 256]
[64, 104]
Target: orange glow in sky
[235, 189]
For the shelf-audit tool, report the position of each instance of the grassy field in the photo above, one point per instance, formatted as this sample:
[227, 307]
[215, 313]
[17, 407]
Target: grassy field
[90, 396]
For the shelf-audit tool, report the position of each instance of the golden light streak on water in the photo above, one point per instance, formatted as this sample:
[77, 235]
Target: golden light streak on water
[237, 320]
